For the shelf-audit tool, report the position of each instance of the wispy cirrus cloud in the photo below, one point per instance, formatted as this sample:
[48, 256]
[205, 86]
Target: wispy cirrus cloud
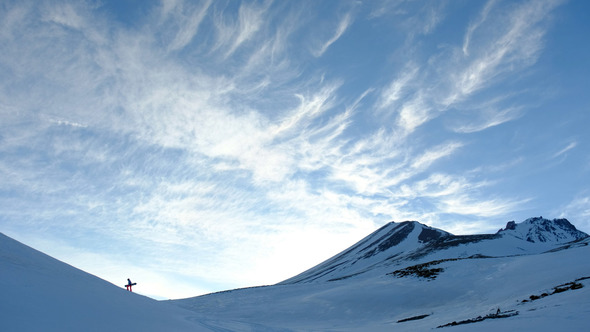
[440, 185]
[489, 118]
[188, 21]
[481, 208]
[428, 157]
[397, 89]
[494, 45]
[231, 34]
[516, 41]
[483, 15]
[570, 146]
[343, 24]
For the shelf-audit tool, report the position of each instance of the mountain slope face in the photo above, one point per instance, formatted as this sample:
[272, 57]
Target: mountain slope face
[389, 242]
[410, 242]
[530, 276]
[40, 293]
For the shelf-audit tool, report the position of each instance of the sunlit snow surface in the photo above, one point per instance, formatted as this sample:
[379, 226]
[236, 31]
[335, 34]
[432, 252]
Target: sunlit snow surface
[39, 293]
[465, 290]
[365, 296]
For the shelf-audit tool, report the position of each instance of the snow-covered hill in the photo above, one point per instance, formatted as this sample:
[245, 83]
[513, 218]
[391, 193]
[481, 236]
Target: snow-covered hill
[410, 242]
[40, 293]
[533, 275]
[410, 277]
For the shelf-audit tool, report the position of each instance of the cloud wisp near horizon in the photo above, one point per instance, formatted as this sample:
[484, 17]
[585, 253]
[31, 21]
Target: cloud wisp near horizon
[202, 146]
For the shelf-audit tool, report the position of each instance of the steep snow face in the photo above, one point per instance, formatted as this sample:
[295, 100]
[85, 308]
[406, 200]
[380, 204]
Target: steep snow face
[386, 244]
[541, 230]
[40, 293]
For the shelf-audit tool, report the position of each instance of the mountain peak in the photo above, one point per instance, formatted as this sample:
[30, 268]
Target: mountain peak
[539, 229]
[405, 243]
[390, 242]
[394, 233]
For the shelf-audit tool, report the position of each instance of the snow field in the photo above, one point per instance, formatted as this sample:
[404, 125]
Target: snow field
[464, 290]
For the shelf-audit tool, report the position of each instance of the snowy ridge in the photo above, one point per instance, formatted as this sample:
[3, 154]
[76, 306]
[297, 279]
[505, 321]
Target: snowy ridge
[543, 230]
[410, 242]
[385, 244]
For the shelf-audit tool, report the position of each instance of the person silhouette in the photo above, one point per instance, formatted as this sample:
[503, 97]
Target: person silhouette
[129, 284]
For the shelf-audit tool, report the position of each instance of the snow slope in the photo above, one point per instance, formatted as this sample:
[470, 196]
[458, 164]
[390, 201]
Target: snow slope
[403, 277]
[408, 283]
[39, 293]
[465, 290]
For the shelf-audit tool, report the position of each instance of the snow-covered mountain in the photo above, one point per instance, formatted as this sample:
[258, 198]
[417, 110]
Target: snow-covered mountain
[406, 276]
[540, 230]
[389, 243]
[533, 275]
[410, 242]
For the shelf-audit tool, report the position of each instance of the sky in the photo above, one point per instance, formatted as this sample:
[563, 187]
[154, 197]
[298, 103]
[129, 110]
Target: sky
[201, 146]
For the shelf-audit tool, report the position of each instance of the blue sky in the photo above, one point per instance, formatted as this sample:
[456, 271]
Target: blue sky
[201, 146]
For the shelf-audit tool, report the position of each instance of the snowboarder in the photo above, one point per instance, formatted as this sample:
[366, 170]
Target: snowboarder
[129, 284]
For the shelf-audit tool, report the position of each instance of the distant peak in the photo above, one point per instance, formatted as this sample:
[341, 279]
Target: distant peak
[406, 222]
[510, 225]
[401, 222]
[427, 233]
[539, 229]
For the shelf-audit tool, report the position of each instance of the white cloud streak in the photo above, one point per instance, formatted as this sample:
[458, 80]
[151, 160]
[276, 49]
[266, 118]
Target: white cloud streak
[398, 87]
[519, 42]
[233, 33]
[489, 118]
[465, 205]
[566, 149]
[188, 24]
[476, 24]
[343, 24]
[495, 45]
